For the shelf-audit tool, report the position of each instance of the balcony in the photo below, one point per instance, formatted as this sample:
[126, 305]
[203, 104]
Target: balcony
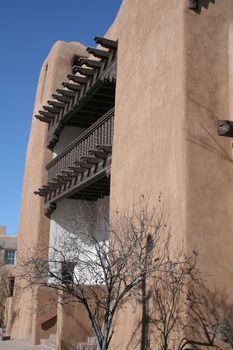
[82, 170]
[88, 93]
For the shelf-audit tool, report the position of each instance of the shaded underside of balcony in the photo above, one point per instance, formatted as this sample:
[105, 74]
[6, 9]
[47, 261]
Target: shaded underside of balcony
[91, 186]
[98, 189]
[95, 105]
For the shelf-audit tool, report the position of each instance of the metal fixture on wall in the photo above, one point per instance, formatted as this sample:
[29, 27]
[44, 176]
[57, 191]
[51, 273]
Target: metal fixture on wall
[225, 128]
[196, 5]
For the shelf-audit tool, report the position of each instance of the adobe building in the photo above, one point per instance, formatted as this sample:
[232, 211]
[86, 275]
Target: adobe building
[146, 112]
[8, 250]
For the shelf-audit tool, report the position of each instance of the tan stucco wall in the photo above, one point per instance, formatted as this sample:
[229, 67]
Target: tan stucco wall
[174, 80]
[73, 325]
[34, 226]
[46, 312]
[209, 60]
[148, 150]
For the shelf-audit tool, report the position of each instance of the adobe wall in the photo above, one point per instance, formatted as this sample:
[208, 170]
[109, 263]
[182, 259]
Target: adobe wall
[34, 226]
[73, 326]
[149, 146]
[209, 96]
[174, 81]
[45, 317]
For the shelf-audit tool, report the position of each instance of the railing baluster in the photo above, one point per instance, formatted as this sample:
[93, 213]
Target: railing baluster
[100, 133]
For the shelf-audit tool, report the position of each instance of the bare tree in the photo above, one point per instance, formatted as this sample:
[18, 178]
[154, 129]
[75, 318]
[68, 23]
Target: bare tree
[104, 263]
[209, 319]
[101, 265]
[186, 314]
[168, 302]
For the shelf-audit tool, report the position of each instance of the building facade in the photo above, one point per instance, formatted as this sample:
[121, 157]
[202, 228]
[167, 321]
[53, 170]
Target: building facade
[8, 250]
[144, 112]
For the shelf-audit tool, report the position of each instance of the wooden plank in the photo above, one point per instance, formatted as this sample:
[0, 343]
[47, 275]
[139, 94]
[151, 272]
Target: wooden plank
[71, 86]
[48, 114]
[42, 118]
[106, 148]
[83, 165]
[107, 43]
[52, 109]
[91, 160]
[77, 169]
[98, 154]
[69, 173]
[84, 71]
[61, 98]
[88, 181]
[98, 53]
[66, 92]
[56, 104]
[77, 79]
[91, 63]
[60, 181]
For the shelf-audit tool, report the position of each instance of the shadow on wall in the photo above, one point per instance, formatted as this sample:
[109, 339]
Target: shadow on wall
[208, 139]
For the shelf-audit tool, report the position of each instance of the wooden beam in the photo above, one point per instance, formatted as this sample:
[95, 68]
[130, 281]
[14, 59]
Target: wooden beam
[69, 173]
[98, 154]
[61, 98]
[64, 177]
[60, 181]
[83, 165]
[66, 92]
[42, 118]
[52, 109]
[56, 104]
[99, 53]
[91, 63]
[91, 160]
[77, 79]
[48, 114]
[84, 71]
[77, 169]
[71, 86]
[107, 43]
[106, 148]
[52, 184]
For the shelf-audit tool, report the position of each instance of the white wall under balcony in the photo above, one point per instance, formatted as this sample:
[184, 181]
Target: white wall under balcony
[69, 134]
[71, 224]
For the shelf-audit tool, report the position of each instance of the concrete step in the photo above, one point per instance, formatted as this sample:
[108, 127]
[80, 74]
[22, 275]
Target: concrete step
[49, 343]
[86, 346]
[91, 344]
[91, 341]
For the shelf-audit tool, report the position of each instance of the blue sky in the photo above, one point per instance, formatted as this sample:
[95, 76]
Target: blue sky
[28, 29]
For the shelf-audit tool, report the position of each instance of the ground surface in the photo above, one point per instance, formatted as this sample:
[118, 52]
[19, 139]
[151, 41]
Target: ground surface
[19, 345]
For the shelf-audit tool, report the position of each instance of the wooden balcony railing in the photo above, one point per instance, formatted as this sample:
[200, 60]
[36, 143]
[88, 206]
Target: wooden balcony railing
[100, 133]
[84, 162]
